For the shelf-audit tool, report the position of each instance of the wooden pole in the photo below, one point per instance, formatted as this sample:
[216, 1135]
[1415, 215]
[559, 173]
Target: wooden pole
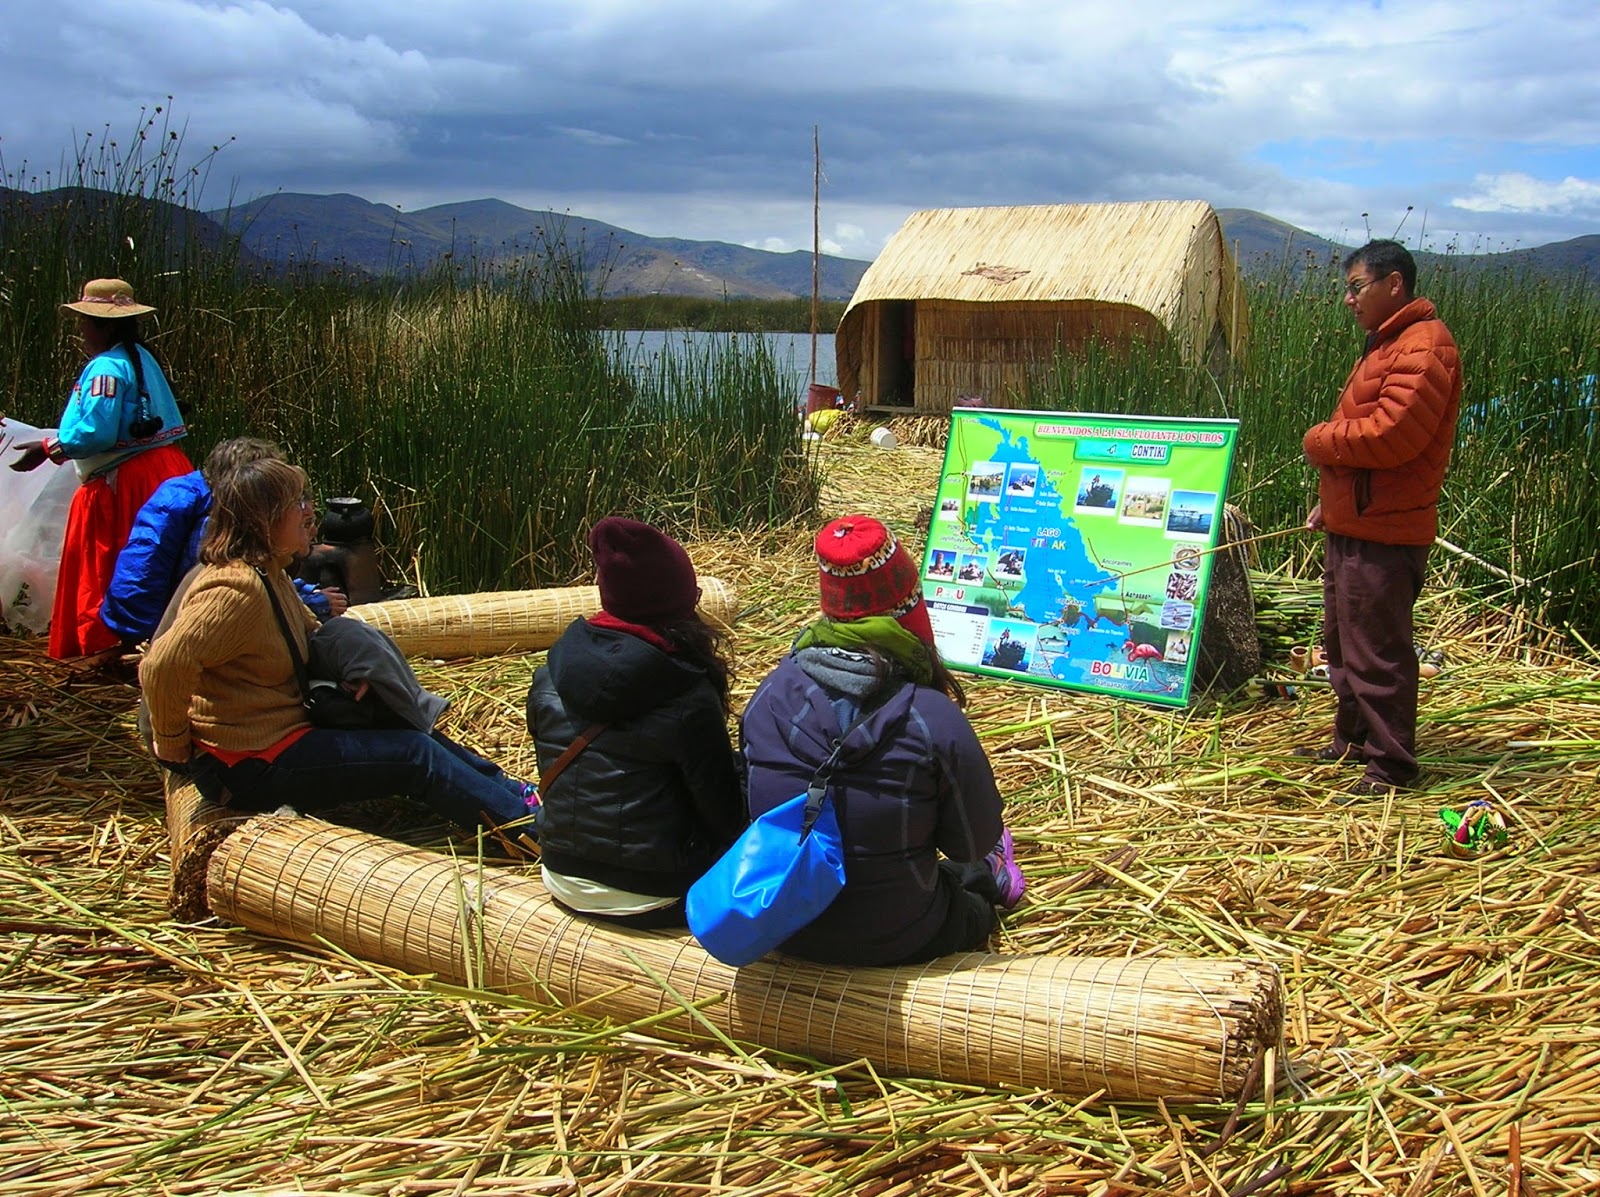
[816, 242]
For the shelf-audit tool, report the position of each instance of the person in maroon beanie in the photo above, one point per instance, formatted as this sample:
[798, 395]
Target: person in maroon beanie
[928, 858]
[634, 699]
[1381, 460]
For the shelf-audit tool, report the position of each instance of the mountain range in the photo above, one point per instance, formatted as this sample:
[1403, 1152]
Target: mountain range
[364, 238]
[379, 239]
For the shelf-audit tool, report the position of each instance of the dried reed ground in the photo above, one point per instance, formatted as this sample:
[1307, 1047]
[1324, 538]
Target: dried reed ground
[1440, 1022]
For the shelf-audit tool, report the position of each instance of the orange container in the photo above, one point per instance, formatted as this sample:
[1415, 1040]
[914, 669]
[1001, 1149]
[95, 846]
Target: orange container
[820, 397]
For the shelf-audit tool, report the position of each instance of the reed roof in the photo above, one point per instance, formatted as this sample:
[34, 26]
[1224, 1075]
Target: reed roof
[1165, 257]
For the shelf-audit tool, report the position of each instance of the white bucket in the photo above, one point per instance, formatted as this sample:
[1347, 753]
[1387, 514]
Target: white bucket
[883, 438]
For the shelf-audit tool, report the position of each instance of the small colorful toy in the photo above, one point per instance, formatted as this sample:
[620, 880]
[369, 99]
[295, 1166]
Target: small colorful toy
[1478, 828]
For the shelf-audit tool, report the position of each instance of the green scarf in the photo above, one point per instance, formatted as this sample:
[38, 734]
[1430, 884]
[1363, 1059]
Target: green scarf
[876, 631]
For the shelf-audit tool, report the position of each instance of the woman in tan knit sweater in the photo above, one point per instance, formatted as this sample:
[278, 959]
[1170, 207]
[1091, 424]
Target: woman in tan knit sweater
[225, 703]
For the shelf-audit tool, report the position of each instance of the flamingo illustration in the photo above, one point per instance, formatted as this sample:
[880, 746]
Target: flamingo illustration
[1141, 652]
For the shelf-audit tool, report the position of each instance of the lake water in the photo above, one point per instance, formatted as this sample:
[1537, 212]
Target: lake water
[791, 351]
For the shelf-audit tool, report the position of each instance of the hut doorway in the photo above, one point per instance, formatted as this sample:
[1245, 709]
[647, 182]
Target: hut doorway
[894, 377]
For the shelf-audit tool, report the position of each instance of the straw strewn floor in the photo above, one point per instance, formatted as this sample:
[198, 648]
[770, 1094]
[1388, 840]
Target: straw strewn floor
[1439, 1035]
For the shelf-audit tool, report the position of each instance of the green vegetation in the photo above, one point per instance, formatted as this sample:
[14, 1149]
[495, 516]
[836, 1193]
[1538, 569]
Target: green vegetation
[1522, 495]
[715, 315]
[484, 411]
[479, 408]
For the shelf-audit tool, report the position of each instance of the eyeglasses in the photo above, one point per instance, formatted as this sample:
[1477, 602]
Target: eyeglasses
[1356, 288]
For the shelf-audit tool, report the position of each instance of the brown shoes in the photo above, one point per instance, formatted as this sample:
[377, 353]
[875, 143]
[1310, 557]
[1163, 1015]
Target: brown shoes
[1329, 755]
[1365, 787]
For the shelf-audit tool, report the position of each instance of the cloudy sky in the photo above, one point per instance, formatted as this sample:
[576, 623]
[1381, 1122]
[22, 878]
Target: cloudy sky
[694, 119]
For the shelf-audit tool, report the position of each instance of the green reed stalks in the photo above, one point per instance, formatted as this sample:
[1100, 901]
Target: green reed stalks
[473, 404]
[1522, 493]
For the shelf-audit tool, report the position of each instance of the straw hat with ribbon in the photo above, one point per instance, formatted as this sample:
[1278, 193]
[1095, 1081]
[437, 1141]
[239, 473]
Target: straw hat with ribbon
[107, 297]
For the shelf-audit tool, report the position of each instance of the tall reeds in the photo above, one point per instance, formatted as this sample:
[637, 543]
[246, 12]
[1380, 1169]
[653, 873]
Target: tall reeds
[474, 404]
[1522, 496]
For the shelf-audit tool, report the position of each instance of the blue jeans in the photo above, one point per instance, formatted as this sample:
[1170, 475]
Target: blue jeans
[327, 767]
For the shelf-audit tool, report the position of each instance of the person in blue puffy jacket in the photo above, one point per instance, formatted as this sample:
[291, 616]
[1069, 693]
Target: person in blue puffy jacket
[165, 545]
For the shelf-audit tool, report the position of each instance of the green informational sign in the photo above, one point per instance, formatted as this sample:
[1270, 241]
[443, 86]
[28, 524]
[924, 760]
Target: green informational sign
[1069, 550]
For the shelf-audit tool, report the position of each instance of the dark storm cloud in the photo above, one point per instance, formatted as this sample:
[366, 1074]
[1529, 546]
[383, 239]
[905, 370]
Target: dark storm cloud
[695, 120]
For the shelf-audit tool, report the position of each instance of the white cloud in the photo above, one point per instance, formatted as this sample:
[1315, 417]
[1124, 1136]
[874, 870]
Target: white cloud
[591, 137]
[1517, 192]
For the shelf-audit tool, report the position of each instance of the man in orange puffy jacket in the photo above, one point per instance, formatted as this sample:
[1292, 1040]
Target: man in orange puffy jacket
[1381, 458]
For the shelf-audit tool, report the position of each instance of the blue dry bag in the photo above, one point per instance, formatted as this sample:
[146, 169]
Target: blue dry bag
[784, 871]
[777, 877]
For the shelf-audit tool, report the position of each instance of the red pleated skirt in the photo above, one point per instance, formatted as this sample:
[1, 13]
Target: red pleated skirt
[98, 524]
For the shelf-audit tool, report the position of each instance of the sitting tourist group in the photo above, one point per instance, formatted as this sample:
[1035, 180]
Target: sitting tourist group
[256, 692]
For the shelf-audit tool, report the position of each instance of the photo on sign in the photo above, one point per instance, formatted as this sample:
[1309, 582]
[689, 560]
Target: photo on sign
[983, 481]
[950, 509]
[942, 564]
[1008, 564]
[1186, 558]
[1097, 491]
[971, 568]
[1022, 481]
[1010, 645]
[1178, 645]
[1144, 502]
[1183, 586]
[1177, 615]
[1192, 514]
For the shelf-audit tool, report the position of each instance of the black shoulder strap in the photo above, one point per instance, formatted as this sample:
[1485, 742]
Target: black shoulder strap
[823, 777]
[131, 348]
[288, 638]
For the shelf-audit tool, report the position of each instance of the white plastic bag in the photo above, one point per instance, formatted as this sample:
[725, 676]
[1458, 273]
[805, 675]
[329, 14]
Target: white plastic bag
[33, 522]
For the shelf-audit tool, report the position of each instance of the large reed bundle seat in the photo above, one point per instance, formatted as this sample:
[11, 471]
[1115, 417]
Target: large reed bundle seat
[507, 621]
[1129, 1028]
[195, 826]
[449, 626]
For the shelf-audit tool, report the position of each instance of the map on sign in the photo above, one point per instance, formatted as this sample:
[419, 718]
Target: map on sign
[1071, 550]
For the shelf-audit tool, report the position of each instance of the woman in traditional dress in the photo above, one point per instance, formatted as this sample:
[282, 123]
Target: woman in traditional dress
[120, 431]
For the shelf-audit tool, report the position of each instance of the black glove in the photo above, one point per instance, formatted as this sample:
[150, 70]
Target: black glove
[32, 456]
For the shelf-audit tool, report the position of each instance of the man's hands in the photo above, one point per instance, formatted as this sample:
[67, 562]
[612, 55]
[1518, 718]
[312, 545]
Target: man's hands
[338, 602]
[1314, 520]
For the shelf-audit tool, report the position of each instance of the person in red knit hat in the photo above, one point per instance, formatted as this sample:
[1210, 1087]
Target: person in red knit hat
[928, 858]
[629, 715]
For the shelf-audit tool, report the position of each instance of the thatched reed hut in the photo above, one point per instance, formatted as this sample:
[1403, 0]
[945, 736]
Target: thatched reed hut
[962, 300]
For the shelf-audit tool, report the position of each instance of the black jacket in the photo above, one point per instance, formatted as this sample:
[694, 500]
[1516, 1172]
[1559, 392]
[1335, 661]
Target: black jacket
[655, 798]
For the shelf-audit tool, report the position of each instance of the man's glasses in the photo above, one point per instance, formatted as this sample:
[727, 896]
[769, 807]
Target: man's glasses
[1356, 288]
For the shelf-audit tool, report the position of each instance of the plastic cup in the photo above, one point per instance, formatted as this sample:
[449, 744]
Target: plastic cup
[883, 438]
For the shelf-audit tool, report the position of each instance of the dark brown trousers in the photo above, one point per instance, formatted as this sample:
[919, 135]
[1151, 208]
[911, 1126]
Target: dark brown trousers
[1370, 589]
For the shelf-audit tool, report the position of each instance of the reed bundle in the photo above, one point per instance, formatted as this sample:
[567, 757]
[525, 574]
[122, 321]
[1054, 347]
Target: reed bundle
[195, 827]
[510, 621]
[1123, 1027]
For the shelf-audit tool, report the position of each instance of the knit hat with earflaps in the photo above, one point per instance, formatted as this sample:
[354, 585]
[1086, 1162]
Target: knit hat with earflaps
[645, 576]
[863, 570]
